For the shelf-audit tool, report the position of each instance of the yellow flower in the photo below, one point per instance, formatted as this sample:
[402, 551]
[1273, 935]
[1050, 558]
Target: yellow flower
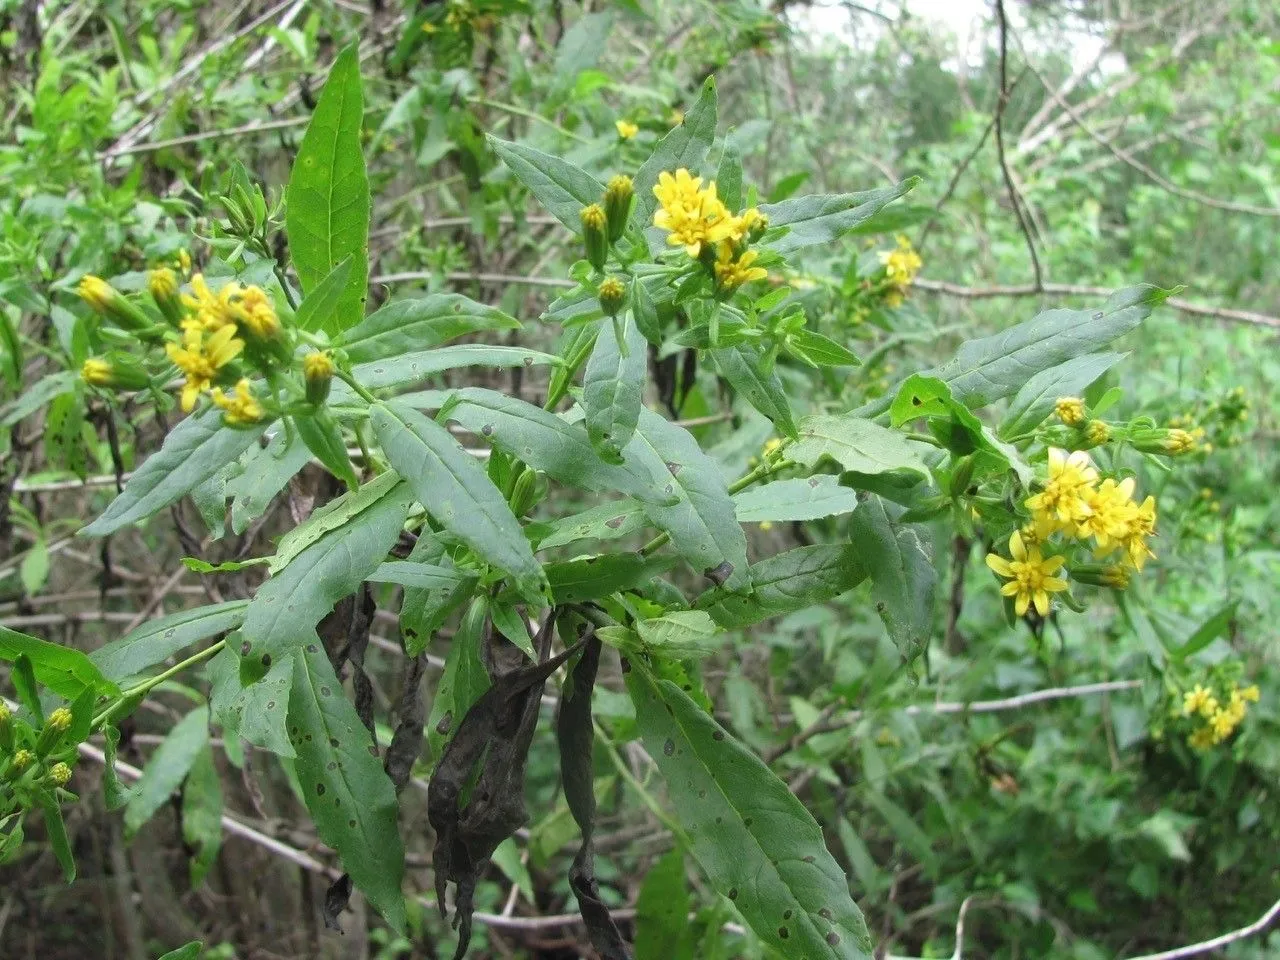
[96, 292]
[1097, 432]
[59, 721]
[1202, 739]
[163, 283]
[901, 265]
[1063, 499]
[1179, 442]
[1111, 515]
[1142, 525]
[1251, 693]
[184, 260]
[731, 273]
[747, 222]
[1070, 410]
[241, 408]
[691, 215]
[1194, 700]
[626, 130]
[96, 372]
[317, 365]
[772, 446]
[1030, 575]
[1223, 723]
[200, 358]
[212, 310]
[255, 311]
[60, 774]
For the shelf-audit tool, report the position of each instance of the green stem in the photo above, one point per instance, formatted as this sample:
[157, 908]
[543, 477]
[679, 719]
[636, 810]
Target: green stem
[761, 471]
[141, 689]
[527, 114]
[350, 381]
[625, 772]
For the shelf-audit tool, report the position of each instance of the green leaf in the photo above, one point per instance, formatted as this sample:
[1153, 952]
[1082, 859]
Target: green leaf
[408, 325]
[560, 186]
[662, 912]
[410, 573]
[65, 671]
[319, 309]
[729, 175]
[284, 612]
[549, 443]
[334, 514]
[740, 365]
[1208, 631]
[701, 523]
[456, 491]
[327, 217]
[349, 796]
[823, 218]
[581, 46]
[820, 351]
[256, 712]
[613, 386]
[190, 951]
[414, 367]
[202, 815]
[1036, 399]
[681, 634]
[990, 368]
[608, 521]
[34, 570]
[422, 611]
[167, 768]
[855, 444]
[899, 559]
[807, 498]
[685, 146]
[752, 837]
[113, 793]
[905, 829]
[786, 582]
[464, 680]
[56, 830]
[37, 395]
[11, 360]
[323, 437]
[577, 581]
[194, 451]
[156, 640]
[265, 474]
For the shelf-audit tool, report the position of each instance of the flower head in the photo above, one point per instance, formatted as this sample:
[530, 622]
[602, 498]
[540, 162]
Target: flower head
[213, 311]
[1063, 500]
[59, 720]
[317, 371]
[162, 283]
[60, 773]
[1096, 432]
[732, 272]
[1111, 514]
[1179, 442]
[201, 356]
[240, 408]
[902, 264]
[96, 372]
[96, 292]
[626, 130]
[1070, 410]
[692, 215]
[1030, 575]
[612, 292]
[255, 312]
[1195, 700]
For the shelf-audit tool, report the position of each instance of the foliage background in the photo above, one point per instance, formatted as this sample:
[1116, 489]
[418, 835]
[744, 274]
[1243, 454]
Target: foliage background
[1074, 829]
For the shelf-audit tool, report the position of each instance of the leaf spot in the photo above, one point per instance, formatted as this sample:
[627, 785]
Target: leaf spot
[319, 789]
[669, 747]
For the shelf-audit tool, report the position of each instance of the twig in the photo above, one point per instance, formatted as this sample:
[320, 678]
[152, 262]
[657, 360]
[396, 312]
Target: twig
[248, 128]
[472, 277]
[1195, 949]
[1014, 197]
[1077, 290]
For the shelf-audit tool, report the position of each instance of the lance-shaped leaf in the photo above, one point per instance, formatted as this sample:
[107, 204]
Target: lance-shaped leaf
[464, 680]
[701, 523]
[685, 146]
[167, 768]
[327, 217]
[284, 612]
[202, 815]
[408, 325]
[560, 186]
[319, 309]
[456, 491]
[156, 640]
[807, 498]
[856, 444]
[1036, 399]
[822, 218]
[662, 912]
[334, 514]
[613, 385]
[607, 521]
[424, 610]
[592, 578]
[349, 796]
[899, 559]
[410, 573]
[65, 671]
[413, 367]
[740, 365]
[194, 451]
[257, 712]
[785, 582]
[549, 443]
[752, 837]
[989, 368]
[265, 474]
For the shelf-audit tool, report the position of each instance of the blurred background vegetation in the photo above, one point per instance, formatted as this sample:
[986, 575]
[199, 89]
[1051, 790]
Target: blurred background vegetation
[1134, 141]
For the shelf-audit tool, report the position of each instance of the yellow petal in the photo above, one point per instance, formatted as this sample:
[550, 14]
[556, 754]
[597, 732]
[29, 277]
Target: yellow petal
[1054, 584]
[1042, 603]
[1017, 549]
[999, 564]
[1021, 604]
[1011, 588]
[1052, 565]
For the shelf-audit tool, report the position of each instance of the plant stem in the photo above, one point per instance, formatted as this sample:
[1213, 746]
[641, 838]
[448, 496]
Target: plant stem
[761, 471]
[145, 686]
[354, 385]
[527, 114]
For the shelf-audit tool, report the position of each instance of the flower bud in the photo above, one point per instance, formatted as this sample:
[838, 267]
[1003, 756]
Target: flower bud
[613, 294]
[1070, 410]
[317, 370]
[6, 728]
[162, 284]
[1096, 432]
[184, 260]
[109, 302]
[59, 774]
[595, 235]
[1178, 442]
[618, 198]
[1101, 575]
[961, 477]
[525, 493]
[21, 761]
[114, 374]
[58, 723]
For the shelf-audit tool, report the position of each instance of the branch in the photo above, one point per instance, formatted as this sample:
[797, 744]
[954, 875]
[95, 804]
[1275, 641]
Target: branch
[1195, 949]
[1076, 290]
[1014, 197]
[122, 150]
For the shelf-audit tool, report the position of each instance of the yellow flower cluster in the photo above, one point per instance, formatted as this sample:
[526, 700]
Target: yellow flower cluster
[1217, 721]
[900, 268]
[626, 129]
[240, 408]
[200, 356]
[694, 216]
[248, 307]
[1074, 502]
[1070, 410]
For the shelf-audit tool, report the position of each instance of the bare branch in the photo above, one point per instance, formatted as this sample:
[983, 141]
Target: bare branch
[1196, 949]
[1014, 197]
